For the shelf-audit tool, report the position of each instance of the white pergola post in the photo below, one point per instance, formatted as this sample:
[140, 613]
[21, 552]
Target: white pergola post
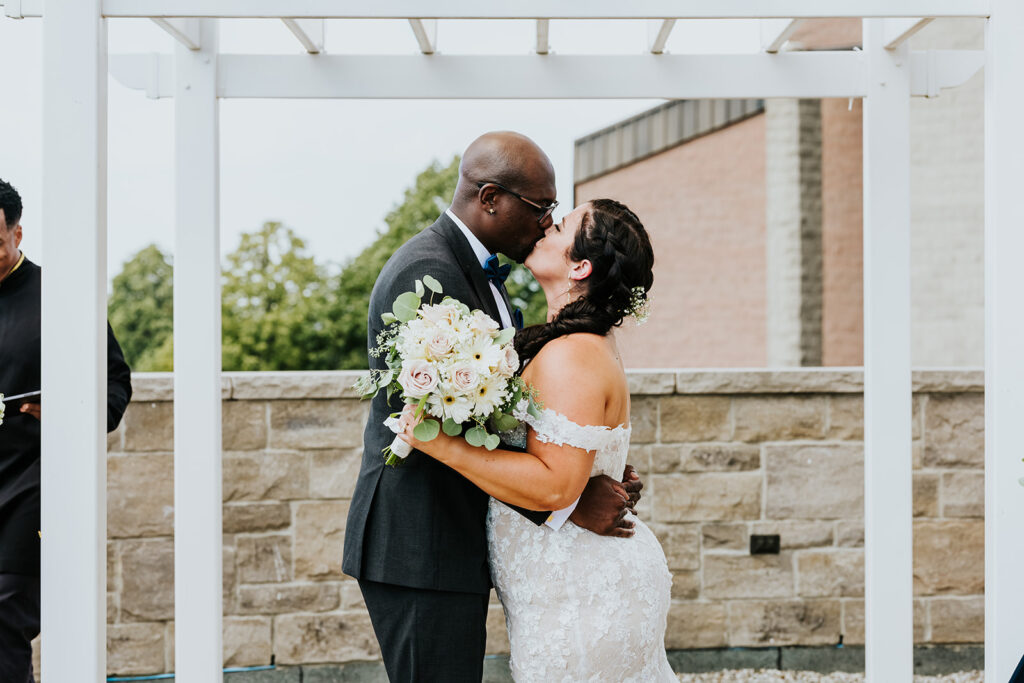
[888, 563]
[197, 365]
[1004, 341]
[74, 375]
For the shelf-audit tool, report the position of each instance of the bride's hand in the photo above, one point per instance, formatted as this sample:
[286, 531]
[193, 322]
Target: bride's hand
[435, 448]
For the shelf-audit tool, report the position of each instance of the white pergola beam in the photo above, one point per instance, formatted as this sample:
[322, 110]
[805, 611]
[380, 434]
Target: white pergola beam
[185, 31]
[543, 46]
[1004, 342]
[425, 31]
[658, 31]
[309, 32]
[897, 31]
[547, 9]
[74, 342]
[791, 74]
[776, 32]
[533, 9]
[197, 366]
[888, 397]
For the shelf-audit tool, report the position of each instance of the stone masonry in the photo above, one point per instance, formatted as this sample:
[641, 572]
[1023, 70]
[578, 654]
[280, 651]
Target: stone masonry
[724, 454]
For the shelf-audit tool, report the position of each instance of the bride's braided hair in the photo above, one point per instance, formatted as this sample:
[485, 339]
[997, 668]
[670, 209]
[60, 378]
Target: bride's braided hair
[615, 242]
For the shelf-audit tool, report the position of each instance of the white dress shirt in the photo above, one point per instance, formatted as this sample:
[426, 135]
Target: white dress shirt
[482, 254]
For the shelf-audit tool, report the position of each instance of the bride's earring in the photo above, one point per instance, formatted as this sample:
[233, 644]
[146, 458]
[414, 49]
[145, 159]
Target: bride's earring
[490, 211]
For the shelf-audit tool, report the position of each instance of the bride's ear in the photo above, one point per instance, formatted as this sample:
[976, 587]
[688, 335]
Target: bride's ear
[581, 270]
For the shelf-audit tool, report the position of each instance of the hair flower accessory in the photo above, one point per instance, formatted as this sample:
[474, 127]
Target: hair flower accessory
[639, 305]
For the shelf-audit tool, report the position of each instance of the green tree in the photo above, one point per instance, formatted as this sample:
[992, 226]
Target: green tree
[141, 309]
[275, 304]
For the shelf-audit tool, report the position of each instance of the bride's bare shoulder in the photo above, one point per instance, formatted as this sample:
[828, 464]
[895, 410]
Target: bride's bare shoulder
[571, 353]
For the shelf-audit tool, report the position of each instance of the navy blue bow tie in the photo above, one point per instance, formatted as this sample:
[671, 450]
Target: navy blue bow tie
[495, 273]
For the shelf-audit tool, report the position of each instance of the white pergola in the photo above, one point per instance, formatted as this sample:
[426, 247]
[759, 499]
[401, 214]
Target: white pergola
[885, 74]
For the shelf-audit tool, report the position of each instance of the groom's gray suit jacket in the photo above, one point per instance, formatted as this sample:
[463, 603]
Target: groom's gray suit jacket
[421, 524]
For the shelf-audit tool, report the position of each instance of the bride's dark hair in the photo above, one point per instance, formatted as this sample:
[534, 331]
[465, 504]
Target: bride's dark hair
[615, 242]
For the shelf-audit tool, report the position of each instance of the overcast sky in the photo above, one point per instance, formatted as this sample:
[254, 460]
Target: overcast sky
[330, 169]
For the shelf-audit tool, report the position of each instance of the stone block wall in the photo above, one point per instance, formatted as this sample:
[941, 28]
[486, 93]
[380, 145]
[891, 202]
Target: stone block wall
[724, 454]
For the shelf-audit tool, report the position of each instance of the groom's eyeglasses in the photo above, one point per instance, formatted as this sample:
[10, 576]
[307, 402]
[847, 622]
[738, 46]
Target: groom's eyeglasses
[544, 209]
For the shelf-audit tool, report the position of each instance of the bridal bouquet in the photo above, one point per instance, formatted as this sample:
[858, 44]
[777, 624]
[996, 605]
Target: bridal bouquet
[453, 365]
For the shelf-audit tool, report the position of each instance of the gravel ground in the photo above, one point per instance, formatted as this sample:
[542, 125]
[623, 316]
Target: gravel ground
[769, 676]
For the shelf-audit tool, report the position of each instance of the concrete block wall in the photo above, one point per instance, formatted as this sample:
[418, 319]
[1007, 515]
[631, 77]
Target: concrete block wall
[724, 454]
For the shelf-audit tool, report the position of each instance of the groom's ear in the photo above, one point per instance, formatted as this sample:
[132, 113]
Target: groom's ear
[487, 195]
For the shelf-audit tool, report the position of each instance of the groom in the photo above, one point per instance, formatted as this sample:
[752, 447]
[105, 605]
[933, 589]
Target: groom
[416, 537]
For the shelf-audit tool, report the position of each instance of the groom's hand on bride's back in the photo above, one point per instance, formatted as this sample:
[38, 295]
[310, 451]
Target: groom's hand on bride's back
[605, 505]
[632, 484]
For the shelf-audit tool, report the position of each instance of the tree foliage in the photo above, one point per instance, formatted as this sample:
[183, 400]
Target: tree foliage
[274, 298]
[281, 309]
[141, 309]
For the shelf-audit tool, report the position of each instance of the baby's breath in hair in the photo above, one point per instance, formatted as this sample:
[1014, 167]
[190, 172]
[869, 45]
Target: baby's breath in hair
[639, 305]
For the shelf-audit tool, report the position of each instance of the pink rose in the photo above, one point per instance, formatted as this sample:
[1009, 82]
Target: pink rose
[439, 343]
[510, 362]
[418, 378]
[464, 378]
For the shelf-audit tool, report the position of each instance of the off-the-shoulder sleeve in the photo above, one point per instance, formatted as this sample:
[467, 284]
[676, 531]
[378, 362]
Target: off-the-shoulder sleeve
[553, 427]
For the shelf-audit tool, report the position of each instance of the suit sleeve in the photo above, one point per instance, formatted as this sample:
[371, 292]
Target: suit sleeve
[119, 382]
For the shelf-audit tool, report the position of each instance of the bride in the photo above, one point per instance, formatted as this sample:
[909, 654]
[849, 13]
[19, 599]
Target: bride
[579, 607]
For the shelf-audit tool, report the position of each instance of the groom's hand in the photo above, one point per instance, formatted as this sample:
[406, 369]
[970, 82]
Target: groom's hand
[632, 484]
[604, 508]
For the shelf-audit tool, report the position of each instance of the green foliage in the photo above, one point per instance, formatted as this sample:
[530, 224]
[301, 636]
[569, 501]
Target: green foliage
[141, 310]
[275, 297]
[281, 309]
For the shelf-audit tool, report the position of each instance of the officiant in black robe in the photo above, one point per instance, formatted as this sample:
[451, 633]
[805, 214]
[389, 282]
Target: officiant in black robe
[20, 281]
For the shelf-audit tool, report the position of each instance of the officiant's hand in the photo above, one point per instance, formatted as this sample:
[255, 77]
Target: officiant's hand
[33, 409]
[604, 508]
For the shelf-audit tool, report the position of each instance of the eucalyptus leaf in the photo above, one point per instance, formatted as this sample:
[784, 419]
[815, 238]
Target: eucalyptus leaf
[405, 306]
[534, 410]
[476, 436]
[492, 441]
[432, 284]
[388, 318]
[426, 430]
[505, 336]
[451, 427]
[504, 422]
[419, 289]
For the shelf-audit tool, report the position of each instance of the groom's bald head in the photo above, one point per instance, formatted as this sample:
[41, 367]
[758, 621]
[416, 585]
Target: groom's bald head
[505, 157]
[501, 221]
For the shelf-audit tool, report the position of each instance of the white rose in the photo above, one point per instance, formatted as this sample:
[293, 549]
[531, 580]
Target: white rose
[418, 378]
[510, 362]
[440, 314]
[440, 343]
[482, 323]
[464, 378]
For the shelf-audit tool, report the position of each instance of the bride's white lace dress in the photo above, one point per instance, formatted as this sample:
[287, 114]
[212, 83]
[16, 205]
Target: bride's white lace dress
[580, 607]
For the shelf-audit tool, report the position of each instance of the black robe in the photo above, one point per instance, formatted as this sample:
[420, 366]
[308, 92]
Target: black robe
[20, 334]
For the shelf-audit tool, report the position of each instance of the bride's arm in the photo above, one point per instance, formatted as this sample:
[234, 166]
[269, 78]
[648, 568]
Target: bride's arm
[547, 476]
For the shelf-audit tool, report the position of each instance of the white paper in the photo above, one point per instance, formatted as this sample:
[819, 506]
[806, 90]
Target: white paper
[557, 518]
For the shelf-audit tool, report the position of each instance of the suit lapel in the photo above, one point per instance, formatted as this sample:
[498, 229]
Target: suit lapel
[470, 266]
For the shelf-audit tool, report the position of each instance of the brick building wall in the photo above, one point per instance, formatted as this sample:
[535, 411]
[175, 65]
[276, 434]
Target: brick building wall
[703, 204]
[723, 454]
